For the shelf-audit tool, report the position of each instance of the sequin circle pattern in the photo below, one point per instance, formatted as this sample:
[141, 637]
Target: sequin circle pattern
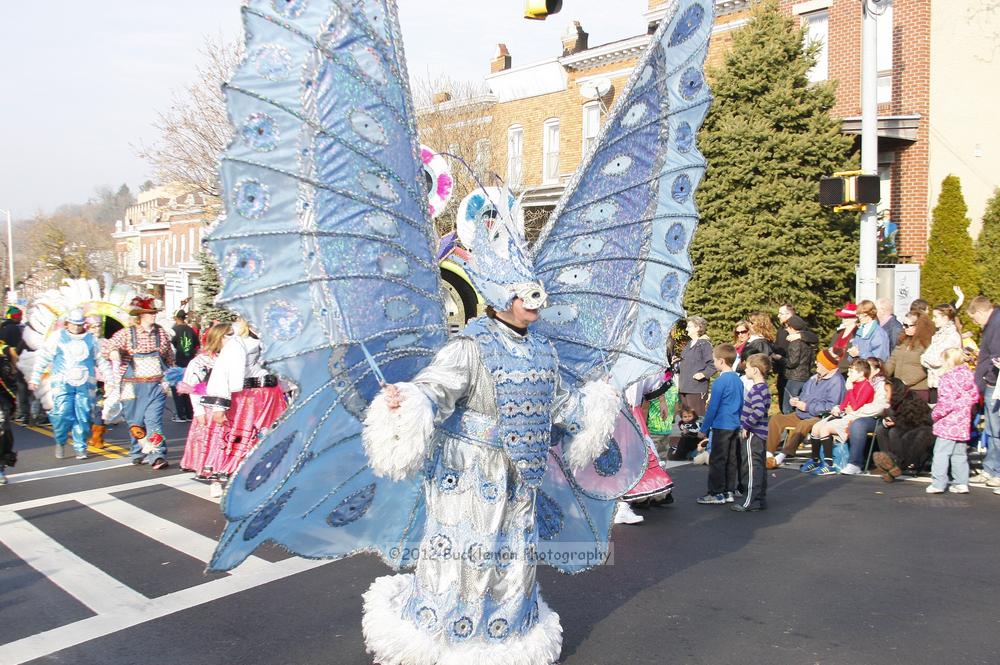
[263, 469]
[289, 8]
[266, 515]
[251, 198]
[681, 189]
[676, 238]
[687, 24]
[282, 320]
[670, 286]
[260, 132]
[273, 62]
[610, 461]
[691, 82]
[685, 137]
[549, 516]
[243, 262]
[652, 334]
[353, 507]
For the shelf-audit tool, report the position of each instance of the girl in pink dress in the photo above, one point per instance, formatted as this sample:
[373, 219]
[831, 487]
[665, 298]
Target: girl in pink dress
[243, 400]
[194, 383]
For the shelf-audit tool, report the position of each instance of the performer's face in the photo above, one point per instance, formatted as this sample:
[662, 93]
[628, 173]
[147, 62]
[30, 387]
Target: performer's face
[74, 328]
[522, 317]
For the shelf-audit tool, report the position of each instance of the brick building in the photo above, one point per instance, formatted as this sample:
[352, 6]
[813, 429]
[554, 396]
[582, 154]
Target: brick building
[538, 119]
[157, 242]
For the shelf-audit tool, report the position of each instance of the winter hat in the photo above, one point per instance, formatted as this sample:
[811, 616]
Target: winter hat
[828, 359]
[76, 317]
[796, 322]
[13, 313]
[848, 311]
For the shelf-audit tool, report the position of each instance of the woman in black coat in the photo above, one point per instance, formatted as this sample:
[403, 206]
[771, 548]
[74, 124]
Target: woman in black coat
[696, 367]
[904, 437]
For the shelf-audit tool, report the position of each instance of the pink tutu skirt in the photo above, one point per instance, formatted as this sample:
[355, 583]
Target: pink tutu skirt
[201, 440]
[654, 485]
[252, 410]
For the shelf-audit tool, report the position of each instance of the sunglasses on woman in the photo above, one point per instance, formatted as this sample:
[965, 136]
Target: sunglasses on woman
[742, 332]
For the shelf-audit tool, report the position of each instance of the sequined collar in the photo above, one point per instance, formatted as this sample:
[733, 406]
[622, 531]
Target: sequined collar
[511, 330]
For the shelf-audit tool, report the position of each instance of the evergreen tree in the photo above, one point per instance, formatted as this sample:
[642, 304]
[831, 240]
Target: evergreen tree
[988, 249]
[209, 285]
[950, 258]
[768, 137]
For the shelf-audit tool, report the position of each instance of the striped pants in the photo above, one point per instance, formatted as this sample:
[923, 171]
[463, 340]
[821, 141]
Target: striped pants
[753, 471]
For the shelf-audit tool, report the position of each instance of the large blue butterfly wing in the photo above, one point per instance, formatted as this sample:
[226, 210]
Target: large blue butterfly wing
[326, 245]
[614, 254]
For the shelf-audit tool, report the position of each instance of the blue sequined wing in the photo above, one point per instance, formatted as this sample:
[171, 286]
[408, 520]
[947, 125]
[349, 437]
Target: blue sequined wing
[614, 254]
[326, 245]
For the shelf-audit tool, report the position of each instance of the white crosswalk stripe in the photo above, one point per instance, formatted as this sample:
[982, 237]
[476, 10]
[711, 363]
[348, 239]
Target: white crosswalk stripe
[115, 605]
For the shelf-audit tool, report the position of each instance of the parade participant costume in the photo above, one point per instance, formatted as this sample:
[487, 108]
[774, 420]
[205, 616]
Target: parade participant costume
[252, 399]
[203, 435]
[73, 359]
[145, 356]
[9, 380]
[499, 455]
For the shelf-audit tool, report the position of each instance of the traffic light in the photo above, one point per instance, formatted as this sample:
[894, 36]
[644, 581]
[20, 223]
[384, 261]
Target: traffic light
[540, 9]
[849, 189]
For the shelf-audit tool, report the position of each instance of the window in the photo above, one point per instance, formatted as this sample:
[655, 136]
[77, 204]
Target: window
[883, 51]
[591, 124]
[515, 155]
[818, 32]
[550, 150]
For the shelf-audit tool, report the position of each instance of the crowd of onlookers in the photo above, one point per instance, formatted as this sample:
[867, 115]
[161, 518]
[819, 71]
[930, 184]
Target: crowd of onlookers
[886, 393]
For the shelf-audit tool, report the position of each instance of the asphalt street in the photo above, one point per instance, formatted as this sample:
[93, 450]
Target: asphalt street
[104, 566]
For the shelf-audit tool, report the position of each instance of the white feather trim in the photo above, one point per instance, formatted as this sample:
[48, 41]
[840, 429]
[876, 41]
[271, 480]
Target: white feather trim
[393, 640]
[601, 403]
[396, 441]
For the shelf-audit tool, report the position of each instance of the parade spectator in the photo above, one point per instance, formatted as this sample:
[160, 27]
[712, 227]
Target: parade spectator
[984, 313]
[185, 347]
[761, 340]
[866, 419]
[696, 367]
[822, 391]
[844, 334]
[12, 335]
[952, 415]
[722, 422]
[800, 350]
[904, 438]
[946, 337]
[9, 377]
[785, 312]
[920, 306]
[890, 324]
[741, 333]
[859, 393]
[753, 437]
[869, 340]
[683, 446]
[904, 362]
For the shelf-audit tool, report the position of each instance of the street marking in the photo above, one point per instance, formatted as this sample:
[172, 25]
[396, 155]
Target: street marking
[87, 583]
[117, 606]
[161, 530]
[60, 471]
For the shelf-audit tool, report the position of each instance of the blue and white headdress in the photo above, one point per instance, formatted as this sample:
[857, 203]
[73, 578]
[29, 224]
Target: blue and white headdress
[501, 266]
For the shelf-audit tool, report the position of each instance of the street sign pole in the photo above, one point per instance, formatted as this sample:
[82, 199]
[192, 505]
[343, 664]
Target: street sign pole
[868, 259]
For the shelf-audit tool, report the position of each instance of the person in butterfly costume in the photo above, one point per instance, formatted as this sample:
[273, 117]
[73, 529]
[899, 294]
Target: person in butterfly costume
[477, 423]
[496, 450]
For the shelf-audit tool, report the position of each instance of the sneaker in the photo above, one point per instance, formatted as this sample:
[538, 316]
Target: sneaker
[3, 476]
[624, 514]
[824, 470]
[82, 455]
[712, 499]
[934, 490]
[993, 482]
[215, 492]
[60, 451]
[996, 491]
[176, 419]
[729, 497]
[809, 466]
[851, 470]
[981, 477]
[958, 489]
[752, 508]
[160, 463]
[137, 460]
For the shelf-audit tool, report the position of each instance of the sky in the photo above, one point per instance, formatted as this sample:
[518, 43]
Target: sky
[81, 83]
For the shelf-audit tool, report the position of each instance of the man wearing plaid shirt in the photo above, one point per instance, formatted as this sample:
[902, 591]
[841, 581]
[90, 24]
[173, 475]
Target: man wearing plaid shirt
[141, 353]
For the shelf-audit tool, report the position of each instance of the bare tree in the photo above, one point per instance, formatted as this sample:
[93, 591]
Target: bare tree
[195, 130]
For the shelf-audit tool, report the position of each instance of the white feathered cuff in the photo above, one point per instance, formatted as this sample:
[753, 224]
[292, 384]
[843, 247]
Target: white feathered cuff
[600, 405]
[396, 441]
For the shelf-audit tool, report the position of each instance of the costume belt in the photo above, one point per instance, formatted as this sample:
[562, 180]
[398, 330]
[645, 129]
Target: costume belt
[472, 426]
[269, 381]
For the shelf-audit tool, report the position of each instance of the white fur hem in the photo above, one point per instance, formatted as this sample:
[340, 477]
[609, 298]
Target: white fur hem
[601, 403]
[393, 640]
[396, 440]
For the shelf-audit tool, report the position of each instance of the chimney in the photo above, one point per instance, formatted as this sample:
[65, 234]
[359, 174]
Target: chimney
[501, 61]
[574, 39]
[441, 97]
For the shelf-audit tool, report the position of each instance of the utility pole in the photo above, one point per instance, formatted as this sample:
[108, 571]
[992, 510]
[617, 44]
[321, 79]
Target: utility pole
[11, 293]
[868, 259]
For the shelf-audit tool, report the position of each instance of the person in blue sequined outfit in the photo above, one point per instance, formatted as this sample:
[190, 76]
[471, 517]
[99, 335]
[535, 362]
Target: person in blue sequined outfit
[487, 403]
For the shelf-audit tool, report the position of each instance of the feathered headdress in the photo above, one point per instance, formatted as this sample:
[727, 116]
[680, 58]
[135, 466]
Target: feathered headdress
[500, 267]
